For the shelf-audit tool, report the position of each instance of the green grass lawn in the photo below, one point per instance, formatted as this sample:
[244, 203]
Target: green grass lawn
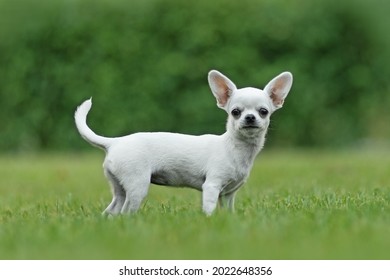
[295, 205]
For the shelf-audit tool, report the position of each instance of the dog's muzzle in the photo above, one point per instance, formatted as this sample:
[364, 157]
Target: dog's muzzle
[250, 122]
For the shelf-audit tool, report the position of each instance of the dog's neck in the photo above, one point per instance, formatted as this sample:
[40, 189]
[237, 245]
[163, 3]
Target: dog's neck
[244, 149]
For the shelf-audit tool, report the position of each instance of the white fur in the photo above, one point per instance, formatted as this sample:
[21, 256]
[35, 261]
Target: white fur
[217, 165]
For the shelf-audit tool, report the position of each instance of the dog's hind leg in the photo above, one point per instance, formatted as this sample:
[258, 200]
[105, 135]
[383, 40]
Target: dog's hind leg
[136, 191]
[118, 193]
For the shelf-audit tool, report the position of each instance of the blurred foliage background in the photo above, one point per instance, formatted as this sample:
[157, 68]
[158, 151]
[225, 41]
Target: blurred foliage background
[145, 62]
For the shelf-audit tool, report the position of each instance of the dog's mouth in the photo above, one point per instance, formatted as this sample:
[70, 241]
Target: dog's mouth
[251, 126]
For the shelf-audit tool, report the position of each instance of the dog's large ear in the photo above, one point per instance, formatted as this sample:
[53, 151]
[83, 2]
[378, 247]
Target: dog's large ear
[278, 88]
[221, 87]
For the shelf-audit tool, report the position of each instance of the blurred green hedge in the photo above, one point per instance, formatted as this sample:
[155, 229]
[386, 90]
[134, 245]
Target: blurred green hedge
[145, 63]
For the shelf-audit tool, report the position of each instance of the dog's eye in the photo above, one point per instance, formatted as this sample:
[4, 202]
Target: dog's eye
[236, 112]
[263, 112]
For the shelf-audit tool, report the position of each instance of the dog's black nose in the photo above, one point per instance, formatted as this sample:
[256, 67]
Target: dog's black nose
[250, 118]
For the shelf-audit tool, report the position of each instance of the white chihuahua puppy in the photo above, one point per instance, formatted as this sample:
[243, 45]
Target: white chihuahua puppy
[217, 165]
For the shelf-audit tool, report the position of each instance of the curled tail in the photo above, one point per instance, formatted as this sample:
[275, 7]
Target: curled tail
[80, 117]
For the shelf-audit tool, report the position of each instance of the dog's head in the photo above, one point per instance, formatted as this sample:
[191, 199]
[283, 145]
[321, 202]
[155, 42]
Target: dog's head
[249, 109]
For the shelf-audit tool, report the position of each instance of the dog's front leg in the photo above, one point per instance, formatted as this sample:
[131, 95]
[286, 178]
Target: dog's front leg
[227, 200]
[210, 196]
